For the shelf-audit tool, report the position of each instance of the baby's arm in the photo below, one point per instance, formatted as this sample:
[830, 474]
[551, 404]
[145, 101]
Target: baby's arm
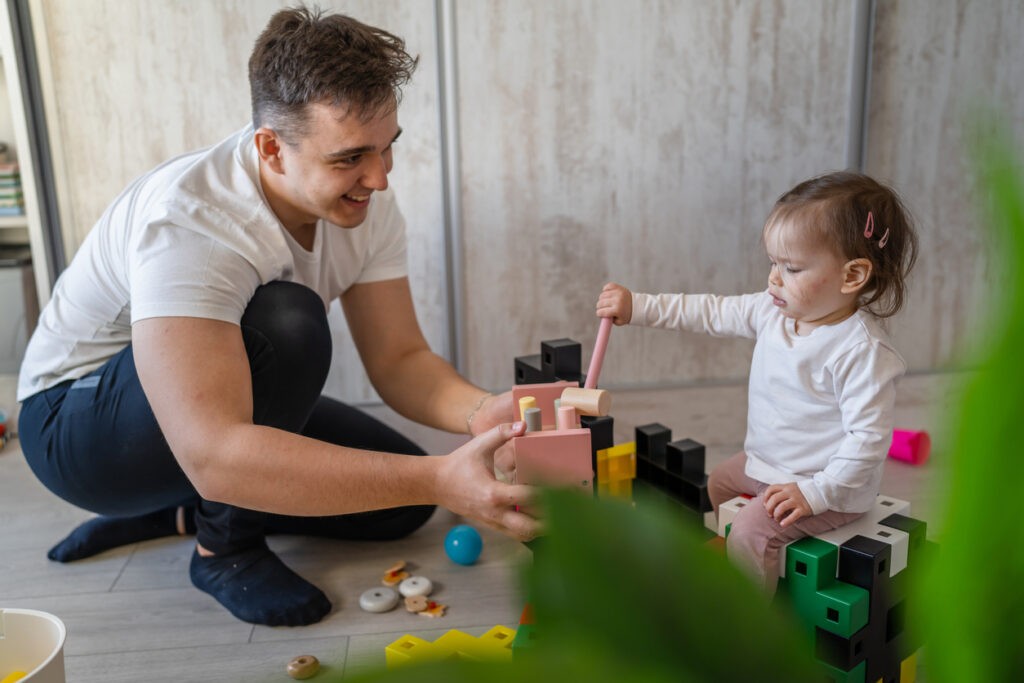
[786, 503]
[615, 302]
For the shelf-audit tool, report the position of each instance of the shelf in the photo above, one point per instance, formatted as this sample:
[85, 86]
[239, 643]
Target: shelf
[13, 221]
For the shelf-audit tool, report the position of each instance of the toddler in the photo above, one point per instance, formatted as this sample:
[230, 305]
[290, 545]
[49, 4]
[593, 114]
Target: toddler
[823, 373]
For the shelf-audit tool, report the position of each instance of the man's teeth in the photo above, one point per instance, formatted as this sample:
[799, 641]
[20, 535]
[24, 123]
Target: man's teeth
[354, 198]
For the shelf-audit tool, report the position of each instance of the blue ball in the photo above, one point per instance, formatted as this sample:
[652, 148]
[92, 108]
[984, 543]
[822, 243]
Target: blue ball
[463, 544]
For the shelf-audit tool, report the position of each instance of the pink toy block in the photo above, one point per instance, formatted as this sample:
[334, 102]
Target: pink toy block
[556, 457]
[545, 395]
[909, 446]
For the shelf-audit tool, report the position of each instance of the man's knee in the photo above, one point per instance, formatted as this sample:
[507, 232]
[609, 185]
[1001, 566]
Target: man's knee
[292, 318]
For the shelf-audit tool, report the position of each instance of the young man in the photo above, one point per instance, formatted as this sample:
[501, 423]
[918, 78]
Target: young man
[176, 372]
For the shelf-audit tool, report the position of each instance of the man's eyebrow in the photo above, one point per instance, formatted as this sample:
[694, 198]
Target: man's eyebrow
[354, 151]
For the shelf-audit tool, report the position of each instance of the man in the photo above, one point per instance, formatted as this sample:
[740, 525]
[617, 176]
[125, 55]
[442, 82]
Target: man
[174, 380]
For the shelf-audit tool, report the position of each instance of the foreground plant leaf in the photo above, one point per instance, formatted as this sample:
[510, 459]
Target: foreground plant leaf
[972, 603]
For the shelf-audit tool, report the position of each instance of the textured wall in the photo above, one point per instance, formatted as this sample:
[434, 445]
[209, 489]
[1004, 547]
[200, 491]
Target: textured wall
[137, 82]
[935, 62]
[642, 142]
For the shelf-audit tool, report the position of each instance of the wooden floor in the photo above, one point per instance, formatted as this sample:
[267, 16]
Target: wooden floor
[133, 615]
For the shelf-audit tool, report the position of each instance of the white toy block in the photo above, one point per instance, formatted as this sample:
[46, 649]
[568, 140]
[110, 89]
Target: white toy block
[727, 512]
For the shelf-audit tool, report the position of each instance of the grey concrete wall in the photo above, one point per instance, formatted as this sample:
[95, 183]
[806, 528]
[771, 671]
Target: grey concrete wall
[641, 142]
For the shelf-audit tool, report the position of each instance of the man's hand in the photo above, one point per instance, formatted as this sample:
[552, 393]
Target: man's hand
[466, 485]
[786, 503]
[495, 410]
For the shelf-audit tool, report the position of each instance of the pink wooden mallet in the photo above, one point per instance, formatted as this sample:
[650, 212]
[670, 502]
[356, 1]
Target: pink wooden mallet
[600, 346]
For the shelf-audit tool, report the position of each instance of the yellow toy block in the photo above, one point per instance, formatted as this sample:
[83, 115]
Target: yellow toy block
[409, 649]
[498, 642]
[908, 669]
[493, 646]
[622, 488]
[617, 463]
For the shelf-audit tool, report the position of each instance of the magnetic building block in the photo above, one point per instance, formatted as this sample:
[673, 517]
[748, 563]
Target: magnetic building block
[673, 467]
[561, 359]
[685, 458]
[880, 563]
[493, 646]
[615, 471]
[528, 370]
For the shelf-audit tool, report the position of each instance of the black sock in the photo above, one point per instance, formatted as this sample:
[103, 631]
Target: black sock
[258, 588]
[104, 533]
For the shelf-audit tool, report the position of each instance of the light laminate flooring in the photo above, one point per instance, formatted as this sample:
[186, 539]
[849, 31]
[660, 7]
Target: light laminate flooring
[133, 615]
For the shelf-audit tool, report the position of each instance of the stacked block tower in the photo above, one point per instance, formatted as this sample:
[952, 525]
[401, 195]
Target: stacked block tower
[848, 587]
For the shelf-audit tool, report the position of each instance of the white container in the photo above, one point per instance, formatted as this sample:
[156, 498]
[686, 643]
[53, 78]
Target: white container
[33, 642]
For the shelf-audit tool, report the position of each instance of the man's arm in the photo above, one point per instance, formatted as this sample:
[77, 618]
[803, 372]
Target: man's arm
[195, 373]
[411, 378]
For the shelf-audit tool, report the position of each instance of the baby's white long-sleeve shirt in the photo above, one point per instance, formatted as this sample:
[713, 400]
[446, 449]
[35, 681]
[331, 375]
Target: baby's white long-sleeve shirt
[820, 407]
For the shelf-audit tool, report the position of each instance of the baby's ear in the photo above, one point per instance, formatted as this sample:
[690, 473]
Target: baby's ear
[856, 274]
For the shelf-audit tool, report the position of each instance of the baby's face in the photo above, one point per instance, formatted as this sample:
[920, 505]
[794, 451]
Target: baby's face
[806, 277]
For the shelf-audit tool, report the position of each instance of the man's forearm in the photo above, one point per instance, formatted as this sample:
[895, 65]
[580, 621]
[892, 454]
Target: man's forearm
[424, 387]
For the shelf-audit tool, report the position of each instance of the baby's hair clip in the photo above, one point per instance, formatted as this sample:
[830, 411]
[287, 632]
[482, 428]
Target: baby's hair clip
[869, 230]
[869, 227]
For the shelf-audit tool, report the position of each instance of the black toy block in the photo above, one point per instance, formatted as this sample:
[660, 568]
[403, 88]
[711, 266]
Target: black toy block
[643, 469]
[528, 370]
[601, 431]
[685, 458]
[842, 653]
[864, 562]
[560, 359]
[651, 440]
[692, 494]
[915, 528]
[601, 436]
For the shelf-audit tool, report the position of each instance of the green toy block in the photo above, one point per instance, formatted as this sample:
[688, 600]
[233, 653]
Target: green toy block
[816, 596]
[526, 636]
[810, 564]
[854, 675]
[841, 608]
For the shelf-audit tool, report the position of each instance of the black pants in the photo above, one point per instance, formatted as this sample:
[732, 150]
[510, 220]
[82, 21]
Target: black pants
[95, 442]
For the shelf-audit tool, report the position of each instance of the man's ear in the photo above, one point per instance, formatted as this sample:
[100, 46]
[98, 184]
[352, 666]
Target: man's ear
[269, 146]
[856, 274]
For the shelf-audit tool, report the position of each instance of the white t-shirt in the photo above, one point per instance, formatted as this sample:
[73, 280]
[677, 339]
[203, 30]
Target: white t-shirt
[195, 237]
[819, 407]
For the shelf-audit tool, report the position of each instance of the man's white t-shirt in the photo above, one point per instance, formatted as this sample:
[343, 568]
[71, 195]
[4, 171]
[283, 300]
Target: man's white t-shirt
[819, 406]
[195, 237]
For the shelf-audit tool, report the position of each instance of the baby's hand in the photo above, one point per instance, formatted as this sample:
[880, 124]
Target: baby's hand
[786, 503]
[615, 302]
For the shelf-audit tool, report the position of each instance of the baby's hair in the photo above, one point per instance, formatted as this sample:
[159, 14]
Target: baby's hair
[836, 206]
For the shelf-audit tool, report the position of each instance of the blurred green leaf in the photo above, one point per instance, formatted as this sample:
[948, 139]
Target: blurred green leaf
[972, 602]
